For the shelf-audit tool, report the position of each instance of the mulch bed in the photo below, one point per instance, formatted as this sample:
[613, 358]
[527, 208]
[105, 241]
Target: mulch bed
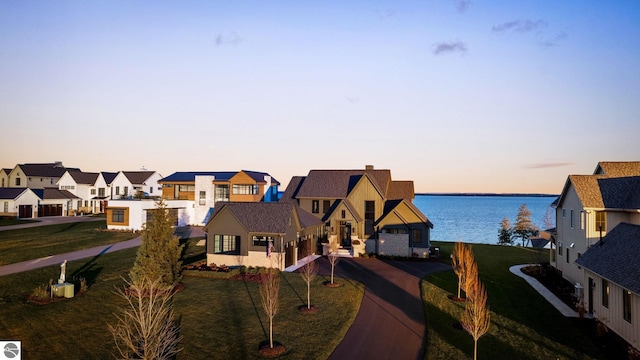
[456, 299]
[265, 350]
[331, 285]
[303, 309]
[552, 279]
[203, 266]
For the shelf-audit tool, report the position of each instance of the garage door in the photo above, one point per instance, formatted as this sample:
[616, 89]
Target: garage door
[25, 211]
[50, 210]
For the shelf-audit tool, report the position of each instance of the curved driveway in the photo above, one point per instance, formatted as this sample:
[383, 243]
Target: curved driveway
[390, 323]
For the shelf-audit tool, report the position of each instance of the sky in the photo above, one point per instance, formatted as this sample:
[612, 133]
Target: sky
[458, 96]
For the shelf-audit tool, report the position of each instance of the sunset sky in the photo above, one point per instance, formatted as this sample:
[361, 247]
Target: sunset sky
[459, 96]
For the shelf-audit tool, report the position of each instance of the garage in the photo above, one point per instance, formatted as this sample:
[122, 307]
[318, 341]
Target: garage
[25, 211]
[50, 210]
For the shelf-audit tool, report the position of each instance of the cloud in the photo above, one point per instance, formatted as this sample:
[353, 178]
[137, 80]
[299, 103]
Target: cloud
[385, 13]
[547, 165]
[353, 100]
[555, 41]
[228, 39]
[449, 47]
[462, 5]
[520, 26]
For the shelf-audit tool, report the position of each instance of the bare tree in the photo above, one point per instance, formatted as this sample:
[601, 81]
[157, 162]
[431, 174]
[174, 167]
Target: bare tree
[333, 260]
[477, 317]
[458, 258]
[523, 227]
[146, 328]
[269, 293]
[309, 271]
[547, 219]
[470, 273]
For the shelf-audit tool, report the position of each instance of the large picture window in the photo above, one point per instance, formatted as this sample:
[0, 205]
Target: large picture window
[117, 216]
[245, 189]
[221, 193]
[226, 244]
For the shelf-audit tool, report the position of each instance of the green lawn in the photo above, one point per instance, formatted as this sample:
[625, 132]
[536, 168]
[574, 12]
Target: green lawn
[32, 243]
[219, 319]
[6, 221]
[523, 324]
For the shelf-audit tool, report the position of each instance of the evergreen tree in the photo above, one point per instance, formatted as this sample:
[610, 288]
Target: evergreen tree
[159, 253]
[523, 228]
[505, 234]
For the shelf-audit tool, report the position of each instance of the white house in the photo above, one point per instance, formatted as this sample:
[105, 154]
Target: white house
[36, 176]
[4, 177]
[127, 183]
[18, 202]
[55, 202]
[132, 214]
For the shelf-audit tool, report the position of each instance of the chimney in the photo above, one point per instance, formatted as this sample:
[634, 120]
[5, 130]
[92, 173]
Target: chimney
[57, 164]
[368, 167]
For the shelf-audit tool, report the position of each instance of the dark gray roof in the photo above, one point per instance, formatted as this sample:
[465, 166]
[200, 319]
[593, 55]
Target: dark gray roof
[45, 170]
[190, 176]
[616, 256]
[81, 177]
[109, 176]
[7, 171]
[53, 193]
[138, 177]
[263, 217]
[336, 184]
[11, 193]
[292, 189]
[600, 191]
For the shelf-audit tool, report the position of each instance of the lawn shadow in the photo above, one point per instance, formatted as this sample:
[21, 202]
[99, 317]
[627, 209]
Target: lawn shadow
[255, 307]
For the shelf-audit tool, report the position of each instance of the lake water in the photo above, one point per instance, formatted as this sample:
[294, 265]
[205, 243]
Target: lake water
[477, 219]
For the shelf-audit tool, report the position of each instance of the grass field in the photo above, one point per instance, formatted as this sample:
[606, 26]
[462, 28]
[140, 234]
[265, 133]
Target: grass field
[523, 324]
[6, 221]
[42, 241]
[219, 319]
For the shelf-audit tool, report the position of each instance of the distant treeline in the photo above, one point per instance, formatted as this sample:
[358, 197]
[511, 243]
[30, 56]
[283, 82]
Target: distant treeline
[487, 194]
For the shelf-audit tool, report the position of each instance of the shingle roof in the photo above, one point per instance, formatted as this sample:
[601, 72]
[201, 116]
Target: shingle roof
[618, 168]
[138, 177]
[336, 184]
[54, 193]
[616, 256]
[7, 171]
[45, 169]
[600, 191]
[258, 176]
[109, 176]
[401, 190]
[11, 193]
[292, 189]
[269, 218]
[81, 177]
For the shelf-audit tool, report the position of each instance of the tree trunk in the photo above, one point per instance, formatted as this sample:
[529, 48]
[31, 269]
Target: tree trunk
[332, 273]
[475, 350]
[271, 334]
[309, 295]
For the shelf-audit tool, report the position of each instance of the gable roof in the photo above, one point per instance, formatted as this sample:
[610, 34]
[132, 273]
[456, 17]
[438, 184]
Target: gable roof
[291, 192]
[618, 168]
[108, 176]
[6, 171]
[138, 177]
[270, 218]
[45, 169]
[54, 193]
[81, 177]
[616, 256]
[401, 190]
[336, 184]
[391, 205]
[11, 193]
[600, 191]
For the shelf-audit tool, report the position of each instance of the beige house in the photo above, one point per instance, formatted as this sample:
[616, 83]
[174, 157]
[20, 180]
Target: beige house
[37, 175]
[363, 210]
[269, 234]
[612, 278]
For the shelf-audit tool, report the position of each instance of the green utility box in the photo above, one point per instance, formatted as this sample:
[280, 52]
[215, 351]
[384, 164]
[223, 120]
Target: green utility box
[63, 290]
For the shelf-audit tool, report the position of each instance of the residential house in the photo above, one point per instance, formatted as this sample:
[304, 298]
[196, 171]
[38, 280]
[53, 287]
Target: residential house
[589, 207]
[129, 184]
[612, 278]
[4, 177]
[92, 189]
[133, 214]
[205, 189]
[269, 234]
[364, 211]
[18, 202]
[37, 175]
[55, 202]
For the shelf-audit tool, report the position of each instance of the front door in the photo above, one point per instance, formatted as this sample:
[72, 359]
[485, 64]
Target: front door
[345, 234]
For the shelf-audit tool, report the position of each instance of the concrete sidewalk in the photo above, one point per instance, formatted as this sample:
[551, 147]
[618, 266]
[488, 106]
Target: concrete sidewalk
[563, 308]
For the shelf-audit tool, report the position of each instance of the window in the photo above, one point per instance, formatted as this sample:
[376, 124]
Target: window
[601, 221]
[605, 293]
[6, 206]
[245, 189]
[571, 218]
[93, 191]
[326, 204]
[221, 193]
[396, 231]
[626, 305]
[126, 191]
[79, 204]
[117, 216]
[203, 198]
[582, 219]
[369, 214]
[117, 190]
[17, 181]
[343, 214]
[417, 236]
[86, 203]
[261, 240]
[567, 255]
[68, 187]
[226, 244]
[101, 192]
[560, 248]
[315, 206]
[564, 212]
[186, 188]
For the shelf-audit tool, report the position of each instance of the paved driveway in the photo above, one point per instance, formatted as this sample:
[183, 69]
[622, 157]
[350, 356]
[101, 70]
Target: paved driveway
[390, 323]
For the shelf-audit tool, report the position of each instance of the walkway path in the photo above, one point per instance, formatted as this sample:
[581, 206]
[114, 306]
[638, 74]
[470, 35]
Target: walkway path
[548, 295]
